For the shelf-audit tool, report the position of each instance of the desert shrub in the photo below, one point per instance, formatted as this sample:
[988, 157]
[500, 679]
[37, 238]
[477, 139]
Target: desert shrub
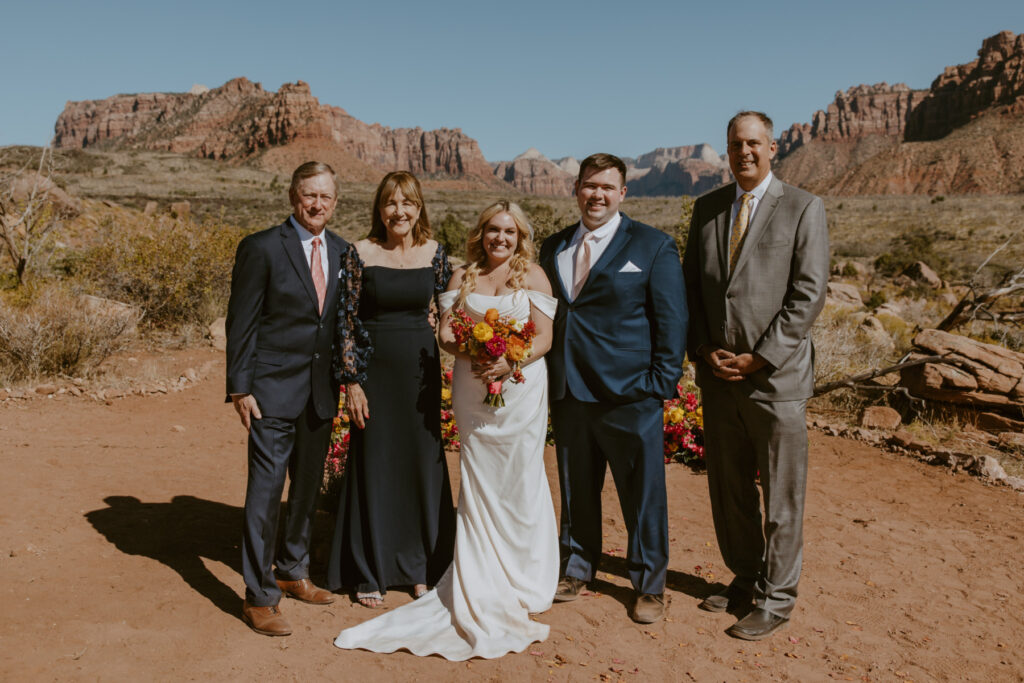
[899, 329]
[840, 350]
[545, 219]
[451, 233]
[849, 270]
[910, 246]
[56, 332]
[681, 230]
[876, 299]
[176, 272]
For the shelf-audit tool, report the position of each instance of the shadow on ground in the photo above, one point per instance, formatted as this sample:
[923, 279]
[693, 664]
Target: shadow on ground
[179, 534]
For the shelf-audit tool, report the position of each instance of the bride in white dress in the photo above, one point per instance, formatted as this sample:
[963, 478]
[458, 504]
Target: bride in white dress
[506, 544]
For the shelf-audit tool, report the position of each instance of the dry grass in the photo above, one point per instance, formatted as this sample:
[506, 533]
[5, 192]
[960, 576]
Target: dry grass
[56, 332]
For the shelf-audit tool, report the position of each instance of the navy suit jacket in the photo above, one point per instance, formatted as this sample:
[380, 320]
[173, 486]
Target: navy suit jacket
[622, 339]
[278, 345]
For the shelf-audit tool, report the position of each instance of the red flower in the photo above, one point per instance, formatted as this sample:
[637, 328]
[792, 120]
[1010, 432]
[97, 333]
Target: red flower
[496, 346]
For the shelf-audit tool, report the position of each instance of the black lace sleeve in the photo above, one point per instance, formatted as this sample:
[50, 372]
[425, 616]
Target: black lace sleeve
[352, 348]
[442, 271]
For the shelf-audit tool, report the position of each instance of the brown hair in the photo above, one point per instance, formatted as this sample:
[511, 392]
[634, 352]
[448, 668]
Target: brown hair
[410, 187]
[760, 115]
[311, 169]
[601, 162]
[476, 257]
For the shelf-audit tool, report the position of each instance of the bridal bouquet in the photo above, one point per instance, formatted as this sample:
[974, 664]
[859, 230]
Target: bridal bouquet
[493, 337]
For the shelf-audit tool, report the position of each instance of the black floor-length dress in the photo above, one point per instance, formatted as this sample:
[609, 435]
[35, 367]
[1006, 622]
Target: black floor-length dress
[396, 521]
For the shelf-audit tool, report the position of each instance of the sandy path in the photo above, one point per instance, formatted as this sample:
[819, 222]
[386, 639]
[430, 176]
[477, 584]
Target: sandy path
[119, 530]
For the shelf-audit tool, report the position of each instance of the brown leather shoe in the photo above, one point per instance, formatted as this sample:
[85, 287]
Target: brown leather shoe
[304, 590]
[648, 608]
[569, 588]
[265, 620]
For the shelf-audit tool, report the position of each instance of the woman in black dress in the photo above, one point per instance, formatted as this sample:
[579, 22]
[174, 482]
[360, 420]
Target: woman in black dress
[396, 521]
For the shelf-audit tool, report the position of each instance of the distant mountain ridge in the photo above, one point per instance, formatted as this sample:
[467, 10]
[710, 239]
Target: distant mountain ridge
[965, 134]
[666, 171]
[240, 121]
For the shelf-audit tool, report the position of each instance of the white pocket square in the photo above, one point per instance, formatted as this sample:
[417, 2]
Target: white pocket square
[629, 268]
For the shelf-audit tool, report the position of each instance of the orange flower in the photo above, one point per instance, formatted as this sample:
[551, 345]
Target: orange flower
[515, 349]
[491, 316]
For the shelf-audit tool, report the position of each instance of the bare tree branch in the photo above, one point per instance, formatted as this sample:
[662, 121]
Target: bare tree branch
[855, 381]
[30, 211]
[973, 305]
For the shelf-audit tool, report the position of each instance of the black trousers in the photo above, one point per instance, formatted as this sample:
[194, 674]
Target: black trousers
[279, 448]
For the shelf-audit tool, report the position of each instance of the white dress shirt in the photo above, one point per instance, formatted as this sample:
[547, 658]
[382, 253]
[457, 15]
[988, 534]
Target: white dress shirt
[566, 259]
[758, 193]
[306, 237]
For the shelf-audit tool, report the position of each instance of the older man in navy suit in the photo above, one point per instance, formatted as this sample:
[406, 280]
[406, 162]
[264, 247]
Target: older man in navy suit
[617, 354]
[280, 325]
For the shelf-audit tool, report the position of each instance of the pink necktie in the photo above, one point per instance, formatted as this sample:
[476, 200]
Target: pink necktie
[581, 269]
[317, 270]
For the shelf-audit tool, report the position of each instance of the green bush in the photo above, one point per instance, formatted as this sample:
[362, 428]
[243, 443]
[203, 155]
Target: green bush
[451, 233]
[910, 246]
[177, 273]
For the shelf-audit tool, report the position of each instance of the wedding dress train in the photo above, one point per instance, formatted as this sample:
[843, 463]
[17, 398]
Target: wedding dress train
[506, 546]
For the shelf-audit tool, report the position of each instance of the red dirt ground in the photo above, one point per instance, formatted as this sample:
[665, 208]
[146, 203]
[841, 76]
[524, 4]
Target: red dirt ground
[120, 525]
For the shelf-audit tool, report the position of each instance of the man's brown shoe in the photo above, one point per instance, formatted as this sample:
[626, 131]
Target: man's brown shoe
[265, 620]
[569, 588]
[648, 608]
[304, 590]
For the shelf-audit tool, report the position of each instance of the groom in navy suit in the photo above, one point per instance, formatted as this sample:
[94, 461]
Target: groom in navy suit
[617, 354]
[280, 326]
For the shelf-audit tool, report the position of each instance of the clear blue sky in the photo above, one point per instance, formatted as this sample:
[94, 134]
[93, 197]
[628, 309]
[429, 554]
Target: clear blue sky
[568, 78]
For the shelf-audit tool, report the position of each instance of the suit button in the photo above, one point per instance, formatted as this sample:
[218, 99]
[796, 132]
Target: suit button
[730, 295]
[316, 356]
[321, 326]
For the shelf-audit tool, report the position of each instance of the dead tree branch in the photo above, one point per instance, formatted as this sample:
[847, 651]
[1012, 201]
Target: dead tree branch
[854, 381]
[974, 305]
[30, 211]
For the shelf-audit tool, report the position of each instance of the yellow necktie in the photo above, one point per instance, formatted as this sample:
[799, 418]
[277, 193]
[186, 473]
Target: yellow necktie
[739, 227]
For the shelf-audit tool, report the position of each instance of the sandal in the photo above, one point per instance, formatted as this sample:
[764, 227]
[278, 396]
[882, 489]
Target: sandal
[371, 600]
[419, 590]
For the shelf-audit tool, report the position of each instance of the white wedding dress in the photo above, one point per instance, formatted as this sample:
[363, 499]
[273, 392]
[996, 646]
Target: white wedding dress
[506, 545]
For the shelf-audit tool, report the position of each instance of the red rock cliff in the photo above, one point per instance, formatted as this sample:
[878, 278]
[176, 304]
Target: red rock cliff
[963, 92]
[862, 111]
[240, 119]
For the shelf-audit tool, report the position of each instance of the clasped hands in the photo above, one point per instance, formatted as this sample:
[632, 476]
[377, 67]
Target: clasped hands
[491, 370]
[733, 367]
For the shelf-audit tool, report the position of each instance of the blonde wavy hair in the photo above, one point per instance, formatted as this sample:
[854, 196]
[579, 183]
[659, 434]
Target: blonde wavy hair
[476, 257]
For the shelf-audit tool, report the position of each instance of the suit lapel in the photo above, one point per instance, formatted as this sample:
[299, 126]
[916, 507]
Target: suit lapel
[562, 241]
[762, 217]
[335, 248]
[722, 229]
[293, 247]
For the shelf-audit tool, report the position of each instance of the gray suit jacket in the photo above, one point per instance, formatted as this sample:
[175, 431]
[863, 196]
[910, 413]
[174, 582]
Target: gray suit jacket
[769, 302]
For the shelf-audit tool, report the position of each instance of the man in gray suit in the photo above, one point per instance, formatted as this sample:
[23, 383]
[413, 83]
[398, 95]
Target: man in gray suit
[756, 268]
